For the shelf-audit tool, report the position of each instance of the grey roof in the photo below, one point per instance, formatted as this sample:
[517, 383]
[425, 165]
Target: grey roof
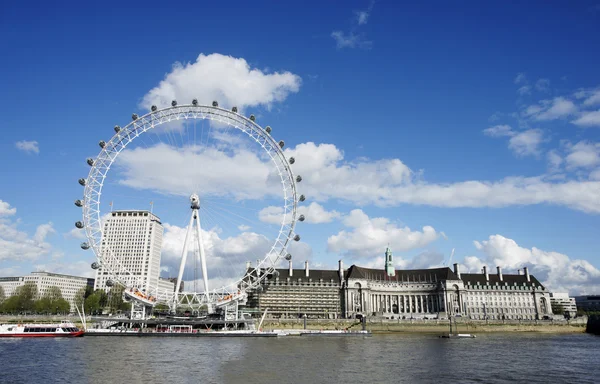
[475, 278]
[314, 274]
[402, 275]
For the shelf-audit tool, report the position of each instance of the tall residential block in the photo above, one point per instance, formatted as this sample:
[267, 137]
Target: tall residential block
[135, 240]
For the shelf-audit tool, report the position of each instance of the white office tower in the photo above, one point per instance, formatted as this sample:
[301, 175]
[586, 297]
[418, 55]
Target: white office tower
[135, 239]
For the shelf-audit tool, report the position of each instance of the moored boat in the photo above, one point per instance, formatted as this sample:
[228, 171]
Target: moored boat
[64, 329]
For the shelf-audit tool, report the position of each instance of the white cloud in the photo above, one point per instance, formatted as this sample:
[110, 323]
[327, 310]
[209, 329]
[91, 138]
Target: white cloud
[6, 209]
[595, 175]
[350, 40]
[555, 160]
[76, 268]
[591, 96]
[231, 81]
[522, 143]
[28, 146]
[542, 85]
[18, 245]
[167, 169]
[314, 214]
[524, 90]
[583, 155]
[389, 182]
[76, 233]
[244, 227]
[556, 271]
[557, 108]
[520, 78]
[499, 131]
[526, 142]
[226, 257]
[588, 119]
[362, 17]
[368, 236]
[327, 175]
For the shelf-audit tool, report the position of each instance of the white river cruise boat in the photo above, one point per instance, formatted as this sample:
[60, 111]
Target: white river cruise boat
[64, 329]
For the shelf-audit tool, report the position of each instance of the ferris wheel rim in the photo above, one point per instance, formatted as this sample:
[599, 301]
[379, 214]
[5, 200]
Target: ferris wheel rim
[100, 167]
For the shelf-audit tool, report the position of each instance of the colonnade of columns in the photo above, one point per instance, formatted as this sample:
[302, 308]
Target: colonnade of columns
[395, 303]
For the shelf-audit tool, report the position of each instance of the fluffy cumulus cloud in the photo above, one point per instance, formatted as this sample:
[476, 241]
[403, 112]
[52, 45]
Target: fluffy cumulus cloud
[588, 119]
[557, 108]
[6, 209]
[226, 256]
[522, 143]
[176, 170]
[18, 245]
[327, 175]
[555, 270]
[229, 80]
[389, 182]
[368, 236]
[314, 213]
[28, 146]
[583, 154]
[526, 142]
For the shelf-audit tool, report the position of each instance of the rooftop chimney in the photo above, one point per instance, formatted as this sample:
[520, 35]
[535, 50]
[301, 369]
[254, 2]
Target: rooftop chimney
[499, 273]
[457, 270]
[341, 270]
[248, 265]
[485, 272]
[519, 272]
[291, 270]
[306, 268]
[526, 270]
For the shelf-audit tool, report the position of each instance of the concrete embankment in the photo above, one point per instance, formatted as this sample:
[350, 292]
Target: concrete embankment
[430, 326]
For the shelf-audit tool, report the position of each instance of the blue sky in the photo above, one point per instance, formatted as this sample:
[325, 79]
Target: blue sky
[504, 97]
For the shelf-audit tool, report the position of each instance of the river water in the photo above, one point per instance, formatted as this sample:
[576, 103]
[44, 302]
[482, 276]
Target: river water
[406, 358]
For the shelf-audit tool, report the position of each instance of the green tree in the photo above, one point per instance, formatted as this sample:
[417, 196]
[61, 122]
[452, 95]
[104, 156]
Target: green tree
[26, 294]
[92, 302]
[80, 297]
[10, 305]
[43, 305]
[115, 298]
[62, 306]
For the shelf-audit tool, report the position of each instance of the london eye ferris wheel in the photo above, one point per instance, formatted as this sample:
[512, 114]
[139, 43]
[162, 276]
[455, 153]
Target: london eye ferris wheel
[223, 183]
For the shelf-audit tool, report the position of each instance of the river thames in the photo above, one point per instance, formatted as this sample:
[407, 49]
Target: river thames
[406, 358]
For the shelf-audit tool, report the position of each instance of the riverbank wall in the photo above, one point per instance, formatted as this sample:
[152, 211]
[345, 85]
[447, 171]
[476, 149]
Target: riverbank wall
[434, 326]
[378, 325]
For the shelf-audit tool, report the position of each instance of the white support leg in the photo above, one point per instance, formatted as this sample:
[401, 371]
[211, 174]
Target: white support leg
[184, 255]
[202, 256]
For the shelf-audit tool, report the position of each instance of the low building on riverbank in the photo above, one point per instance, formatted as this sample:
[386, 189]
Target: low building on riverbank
[69, 285]
[563, 304]
[401, 294]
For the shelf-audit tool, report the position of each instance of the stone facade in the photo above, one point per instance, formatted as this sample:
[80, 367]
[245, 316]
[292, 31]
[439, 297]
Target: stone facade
[402, 294]
[293, 293]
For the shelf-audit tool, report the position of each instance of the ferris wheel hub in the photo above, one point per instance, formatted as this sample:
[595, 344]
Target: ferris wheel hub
[195, 201]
